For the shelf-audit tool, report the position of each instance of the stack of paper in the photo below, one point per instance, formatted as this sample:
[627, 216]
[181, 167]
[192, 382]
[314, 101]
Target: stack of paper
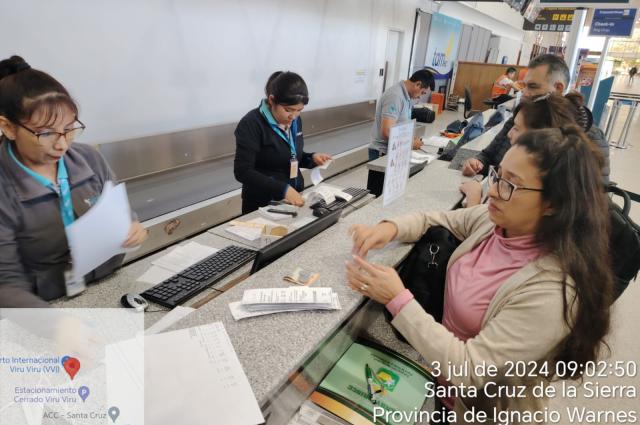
[437, 141]
[258, 302]
[200, 369]
[326, 193]
[420, 158]
[254, 229]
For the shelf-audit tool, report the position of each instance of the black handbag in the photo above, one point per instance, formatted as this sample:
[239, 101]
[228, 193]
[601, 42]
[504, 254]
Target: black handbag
[424, 271]
[425, 115]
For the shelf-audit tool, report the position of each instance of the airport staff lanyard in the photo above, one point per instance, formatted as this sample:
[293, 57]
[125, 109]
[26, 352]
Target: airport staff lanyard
[289, 137]
[62, 189]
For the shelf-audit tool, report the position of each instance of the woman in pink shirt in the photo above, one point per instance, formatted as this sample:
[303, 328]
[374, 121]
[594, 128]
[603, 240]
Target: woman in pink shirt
[531, 280]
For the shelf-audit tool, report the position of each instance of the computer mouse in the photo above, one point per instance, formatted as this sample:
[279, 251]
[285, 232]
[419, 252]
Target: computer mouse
[321, 211]
[134, 301]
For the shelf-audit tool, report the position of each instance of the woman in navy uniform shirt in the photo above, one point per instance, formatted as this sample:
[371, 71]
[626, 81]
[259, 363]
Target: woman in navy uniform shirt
[270, 145]
[46, 182]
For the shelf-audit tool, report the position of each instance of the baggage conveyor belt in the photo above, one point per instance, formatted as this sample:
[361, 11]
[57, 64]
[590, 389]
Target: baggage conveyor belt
[158, 194]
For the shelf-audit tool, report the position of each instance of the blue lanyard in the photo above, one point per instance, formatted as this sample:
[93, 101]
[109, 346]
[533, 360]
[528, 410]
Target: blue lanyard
[289, 137]
[63, 190]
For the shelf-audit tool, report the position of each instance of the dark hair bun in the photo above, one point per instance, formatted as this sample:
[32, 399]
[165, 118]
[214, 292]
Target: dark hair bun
[12, 65]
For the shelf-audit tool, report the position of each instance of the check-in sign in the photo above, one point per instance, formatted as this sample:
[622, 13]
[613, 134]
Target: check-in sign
[613, 22]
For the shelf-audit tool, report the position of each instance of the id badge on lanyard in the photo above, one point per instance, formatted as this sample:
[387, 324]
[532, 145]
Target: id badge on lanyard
[293, 162]
[293, 169]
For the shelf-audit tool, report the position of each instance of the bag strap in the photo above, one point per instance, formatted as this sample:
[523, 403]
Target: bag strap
[626, 207]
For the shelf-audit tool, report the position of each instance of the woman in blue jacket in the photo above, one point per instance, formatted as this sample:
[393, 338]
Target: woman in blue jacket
[270, 145]
[47, 181]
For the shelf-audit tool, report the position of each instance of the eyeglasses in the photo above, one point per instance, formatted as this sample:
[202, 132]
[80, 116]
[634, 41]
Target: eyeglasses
[50, 137]
[505, 187]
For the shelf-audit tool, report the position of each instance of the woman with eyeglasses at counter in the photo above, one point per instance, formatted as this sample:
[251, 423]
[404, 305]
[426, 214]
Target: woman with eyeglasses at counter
[270, 145]
[46, 182]
[530, 281]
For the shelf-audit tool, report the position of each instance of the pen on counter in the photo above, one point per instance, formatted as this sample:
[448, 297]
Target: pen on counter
[291, 213]
[369, 377]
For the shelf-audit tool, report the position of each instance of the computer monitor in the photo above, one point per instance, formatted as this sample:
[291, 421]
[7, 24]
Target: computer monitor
[277, 249]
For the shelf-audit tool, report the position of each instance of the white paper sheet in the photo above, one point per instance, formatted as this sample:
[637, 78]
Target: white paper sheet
[437, 141]
[155, 275]
[420, 158]
[99, 234]
[326, 193]
[251, 233]
[325, 165]
[169, 319]
[398, 161]
[199, 368]
[316, 177]
[246, 233]
[184, 256]
[239, 311]
[291, 298]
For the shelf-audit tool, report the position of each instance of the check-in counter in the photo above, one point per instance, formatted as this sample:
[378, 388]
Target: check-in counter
[280, 353]
[286, 355]
[376, 168]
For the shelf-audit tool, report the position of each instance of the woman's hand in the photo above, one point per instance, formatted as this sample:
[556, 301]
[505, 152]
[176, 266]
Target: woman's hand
[471, 167]
[380, 283]
[293, 197]
[137, 235]
[472, 189]
[368, 237]
[417, 143]
[321, 158]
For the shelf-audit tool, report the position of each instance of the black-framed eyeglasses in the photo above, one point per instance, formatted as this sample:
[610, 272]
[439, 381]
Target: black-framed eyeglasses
[50, 137]
[505, 187]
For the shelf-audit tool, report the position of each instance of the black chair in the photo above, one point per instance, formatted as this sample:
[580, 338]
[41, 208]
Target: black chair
[468, 112]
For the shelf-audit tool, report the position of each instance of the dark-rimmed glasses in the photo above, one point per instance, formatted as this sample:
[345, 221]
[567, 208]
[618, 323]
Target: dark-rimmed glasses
[50, 137]
[505, 187]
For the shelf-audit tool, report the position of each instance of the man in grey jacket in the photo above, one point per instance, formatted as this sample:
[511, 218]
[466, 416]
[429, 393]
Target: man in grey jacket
[546, 74]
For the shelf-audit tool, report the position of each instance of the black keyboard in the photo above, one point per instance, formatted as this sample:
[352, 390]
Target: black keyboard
[193, 280]
[356, 193]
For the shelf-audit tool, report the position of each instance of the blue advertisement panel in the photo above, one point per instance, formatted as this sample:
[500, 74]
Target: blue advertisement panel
[613, 22]
[442, 46]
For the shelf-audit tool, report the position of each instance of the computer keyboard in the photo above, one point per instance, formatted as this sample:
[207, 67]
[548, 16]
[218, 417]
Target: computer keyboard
[356, 193]
[193, 280]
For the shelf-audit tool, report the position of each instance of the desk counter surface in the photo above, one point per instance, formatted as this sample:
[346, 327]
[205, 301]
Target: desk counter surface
[272, 347]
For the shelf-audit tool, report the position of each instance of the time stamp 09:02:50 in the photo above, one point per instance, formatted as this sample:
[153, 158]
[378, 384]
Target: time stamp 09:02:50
[523, 369]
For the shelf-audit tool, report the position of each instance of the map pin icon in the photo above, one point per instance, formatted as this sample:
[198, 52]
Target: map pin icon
[114, 412]
[83, 392]
[72, 366]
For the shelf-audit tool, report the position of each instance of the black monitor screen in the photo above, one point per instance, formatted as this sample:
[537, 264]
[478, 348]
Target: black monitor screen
[280, 247]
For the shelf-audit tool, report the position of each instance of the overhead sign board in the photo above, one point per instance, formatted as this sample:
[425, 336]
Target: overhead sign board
[551, 19]
[613, 22]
